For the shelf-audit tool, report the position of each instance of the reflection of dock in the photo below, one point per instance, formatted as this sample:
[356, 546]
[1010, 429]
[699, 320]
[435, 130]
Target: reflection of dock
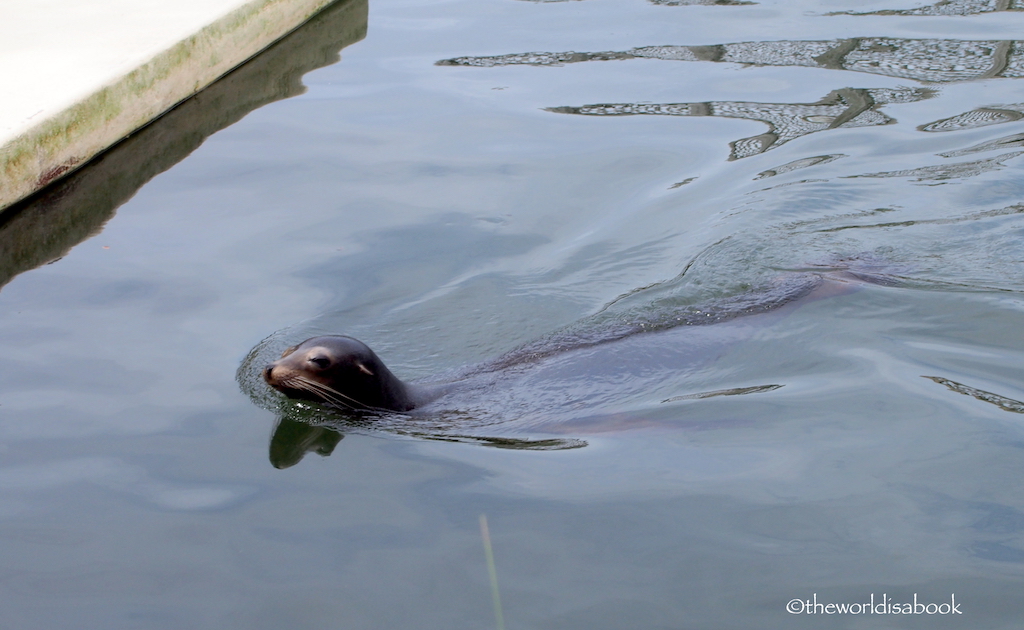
[42, 228]
[685, 3]
[1004, 403]
[840, 109]
[981, 117]
[707, 3]
[948, 7]
[79, 77]
[945, 172]
[925, 60]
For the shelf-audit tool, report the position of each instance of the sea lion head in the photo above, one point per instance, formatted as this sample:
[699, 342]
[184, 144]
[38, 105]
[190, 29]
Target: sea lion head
[340, 371]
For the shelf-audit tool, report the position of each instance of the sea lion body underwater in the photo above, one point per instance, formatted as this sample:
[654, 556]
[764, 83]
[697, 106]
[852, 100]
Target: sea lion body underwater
[345, 373]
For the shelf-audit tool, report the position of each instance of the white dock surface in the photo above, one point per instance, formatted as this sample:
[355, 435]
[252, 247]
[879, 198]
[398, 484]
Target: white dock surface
[77, 76]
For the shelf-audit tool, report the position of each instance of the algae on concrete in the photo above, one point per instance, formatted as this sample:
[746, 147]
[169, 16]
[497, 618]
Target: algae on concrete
[62, 143]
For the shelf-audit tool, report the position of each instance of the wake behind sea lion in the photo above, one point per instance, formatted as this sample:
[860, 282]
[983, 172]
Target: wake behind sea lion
[345, 373]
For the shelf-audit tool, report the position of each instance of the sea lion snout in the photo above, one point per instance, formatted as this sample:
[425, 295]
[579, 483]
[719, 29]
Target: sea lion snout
[280, 371]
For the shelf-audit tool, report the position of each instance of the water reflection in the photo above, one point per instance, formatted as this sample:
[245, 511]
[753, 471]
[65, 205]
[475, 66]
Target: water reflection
[735, 391]
[1006, 142]
[304, 428]
[980, 117]
[296, 436]
[711, 3]
[840, 109]
[925, 60]
[948, 7]
[293, 439]
[1004, 403]
[44, 227]
[944, 172]
[799, 164]
[678, 3]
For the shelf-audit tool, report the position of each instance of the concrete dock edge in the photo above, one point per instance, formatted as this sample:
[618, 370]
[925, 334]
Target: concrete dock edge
[67, 139]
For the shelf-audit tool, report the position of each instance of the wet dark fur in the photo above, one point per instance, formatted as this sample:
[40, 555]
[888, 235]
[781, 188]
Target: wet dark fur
[343, 372]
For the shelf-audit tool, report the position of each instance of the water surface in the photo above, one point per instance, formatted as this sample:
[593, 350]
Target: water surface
[474, 176]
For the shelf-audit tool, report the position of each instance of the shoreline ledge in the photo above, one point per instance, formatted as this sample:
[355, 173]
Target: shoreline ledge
[80, 77]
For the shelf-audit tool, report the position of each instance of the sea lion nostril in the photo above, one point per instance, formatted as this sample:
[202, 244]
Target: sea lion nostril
[268, 372]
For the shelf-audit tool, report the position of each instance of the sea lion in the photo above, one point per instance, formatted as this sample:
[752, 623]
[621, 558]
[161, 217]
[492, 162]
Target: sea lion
[343, 372]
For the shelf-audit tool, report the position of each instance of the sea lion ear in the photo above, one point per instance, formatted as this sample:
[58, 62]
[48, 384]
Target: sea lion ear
[364, 369]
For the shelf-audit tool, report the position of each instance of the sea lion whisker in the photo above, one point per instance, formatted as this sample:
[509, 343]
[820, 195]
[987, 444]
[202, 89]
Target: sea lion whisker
[326, 390]
[304, 384]
[333, 400]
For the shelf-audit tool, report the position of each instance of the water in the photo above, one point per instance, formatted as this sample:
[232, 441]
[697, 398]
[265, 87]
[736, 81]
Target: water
[864, 444]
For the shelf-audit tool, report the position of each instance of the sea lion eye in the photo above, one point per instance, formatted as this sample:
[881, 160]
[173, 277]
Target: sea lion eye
[320, 361]
[288, 351]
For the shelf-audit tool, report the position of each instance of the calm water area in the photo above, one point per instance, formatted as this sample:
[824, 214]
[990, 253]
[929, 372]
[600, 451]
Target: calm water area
[448, 180]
